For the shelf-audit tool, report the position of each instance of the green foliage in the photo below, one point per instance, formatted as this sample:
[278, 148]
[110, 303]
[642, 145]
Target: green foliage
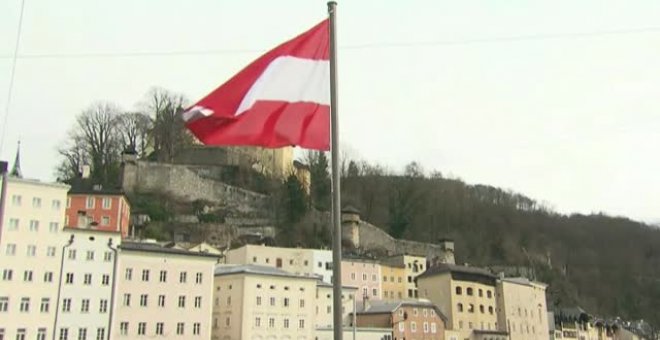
[157, 206]
[320, 185]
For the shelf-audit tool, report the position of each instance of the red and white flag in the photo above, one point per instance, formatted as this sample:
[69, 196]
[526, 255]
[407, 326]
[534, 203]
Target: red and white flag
[280, 99]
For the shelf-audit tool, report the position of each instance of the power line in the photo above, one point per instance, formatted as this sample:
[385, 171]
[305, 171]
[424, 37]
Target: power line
[12, 76]
[175, 53]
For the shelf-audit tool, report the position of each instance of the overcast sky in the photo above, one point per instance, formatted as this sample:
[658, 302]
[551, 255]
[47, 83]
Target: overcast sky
[569, 118]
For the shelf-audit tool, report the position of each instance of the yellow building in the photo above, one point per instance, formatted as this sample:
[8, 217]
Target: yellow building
[413, 266]
[466, 295]
[261, 302]
[393, 281]
[522, 310]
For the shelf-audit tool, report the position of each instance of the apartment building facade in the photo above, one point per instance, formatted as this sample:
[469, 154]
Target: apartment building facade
[324, 305]
[95, 207]
[407, 319]
[162, 292]
[394, 285]
[86, 288]
[31, 243]
[521, 308]
[363, 274]
[413, 266]
[262, 302]
[466, 296]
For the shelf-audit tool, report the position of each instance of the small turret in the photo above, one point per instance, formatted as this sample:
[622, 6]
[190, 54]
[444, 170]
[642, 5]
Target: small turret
[16, 169]
[350, 223]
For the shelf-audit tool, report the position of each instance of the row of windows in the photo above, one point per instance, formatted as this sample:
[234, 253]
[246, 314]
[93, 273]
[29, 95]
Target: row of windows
[413, 327]
[17, 200]
[90, 202]
[365, 292]
[88, 219]
[159, 328]
[30, 250]
[374, 277]
[271, 323]
[89, 255]
[144, 301]
[21, 334]
[44, 306]
[67, 305]
[302, 289]
[162, 277]
[470, 308]
[286, 302]
[87, 279]
[484, 325]
[425, 312]
[470, 292]
[82, 334]
[399, 279]
[390, 295]
[33, 225]
[28, 275]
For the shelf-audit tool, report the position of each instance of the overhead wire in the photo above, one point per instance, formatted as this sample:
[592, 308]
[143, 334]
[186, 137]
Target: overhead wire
[12, 75]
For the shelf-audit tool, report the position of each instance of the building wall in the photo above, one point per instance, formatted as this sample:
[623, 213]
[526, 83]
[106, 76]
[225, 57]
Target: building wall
[413, 266]
[522, 309]
[174, 265]
[393, 282]
[293, 260]
[361, 333]
[365, 276]
[408, 322]
[243, 298]
[118, 214]
[34, 277]
[91, 256]
[324, 305]
[322, 260]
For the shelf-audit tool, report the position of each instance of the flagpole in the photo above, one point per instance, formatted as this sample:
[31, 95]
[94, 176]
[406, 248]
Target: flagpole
[336, 205]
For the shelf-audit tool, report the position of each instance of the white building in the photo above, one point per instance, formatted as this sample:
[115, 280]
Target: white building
[86, 288]
[324, 304]
[31, 243]
[322, 264]
[162, 292]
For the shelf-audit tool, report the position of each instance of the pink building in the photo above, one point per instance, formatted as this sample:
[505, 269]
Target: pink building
[365, 275]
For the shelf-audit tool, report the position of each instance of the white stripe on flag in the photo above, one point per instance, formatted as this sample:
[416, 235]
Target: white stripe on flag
[291, 79]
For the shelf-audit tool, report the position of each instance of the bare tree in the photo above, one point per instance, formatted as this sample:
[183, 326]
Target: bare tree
[134, 129]
[97, 129]
[169, 133]
[74, 156]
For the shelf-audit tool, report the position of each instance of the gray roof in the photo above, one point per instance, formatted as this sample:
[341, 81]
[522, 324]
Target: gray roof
[157, 248]
[257, 270]
[452, 268]
[390, 306]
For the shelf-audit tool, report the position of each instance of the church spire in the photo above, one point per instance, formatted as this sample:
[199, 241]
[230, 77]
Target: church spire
[16, 169]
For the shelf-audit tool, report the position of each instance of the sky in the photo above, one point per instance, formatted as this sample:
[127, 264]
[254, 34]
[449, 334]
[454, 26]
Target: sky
[558, 100]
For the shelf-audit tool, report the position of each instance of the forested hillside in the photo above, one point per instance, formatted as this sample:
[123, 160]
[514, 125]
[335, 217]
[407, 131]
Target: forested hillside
[608, 265]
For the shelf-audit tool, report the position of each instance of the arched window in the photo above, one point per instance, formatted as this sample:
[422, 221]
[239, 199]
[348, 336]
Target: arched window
[469, 291]
[459, 290]
[460, 307]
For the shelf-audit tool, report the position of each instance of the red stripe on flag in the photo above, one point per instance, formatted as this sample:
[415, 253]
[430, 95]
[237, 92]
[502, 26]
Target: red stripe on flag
[270, 124]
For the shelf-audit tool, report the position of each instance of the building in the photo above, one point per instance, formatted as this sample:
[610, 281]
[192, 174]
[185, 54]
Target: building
[262, 302]
[393, 281]
[521, 308]
[300, 261]
[31, 243]
[407, 319]
[162, 292]
[86, 287]
[413, 266]
[95, 207]
[466, 296]
[364, 275]
[324, 315]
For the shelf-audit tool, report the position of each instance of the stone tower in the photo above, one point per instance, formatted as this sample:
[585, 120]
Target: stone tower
[350, 225]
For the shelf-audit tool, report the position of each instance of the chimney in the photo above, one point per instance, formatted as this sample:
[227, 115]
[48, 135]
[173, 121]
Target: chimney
[85, 171]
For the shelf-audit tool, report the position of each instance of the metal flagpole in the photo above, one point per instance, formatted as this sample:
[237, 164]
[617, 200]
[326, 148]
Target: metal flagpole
[336, 207]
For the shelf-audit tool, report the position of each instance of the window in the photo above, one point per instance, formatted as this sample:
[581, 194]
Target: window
[415, 312]
[107, 203]
[159, 328]
[142, 328]
[50, 251]
[272, 301]
[490, 309]
[301, 323]
[53, 227]
[143, 300]
[107, 256]
[105, 279]
[285, 302]
[469, 291]
[182, 301]
[198, 278]
[55, 204]
[103, 306]
[4, 303]
[7, 274]
[481, 292]
[123, 328]
[374, 292]
[402, 326]
[433, 327]
[258, 300]
[105, 220]
[127, 299]
[145, 274]
[84, 306]
[64, 333]
[182, 277]
[16, 199]
[11, 249]
[87, 279]
[198, 302]
[163, 276]
[72, 254]
[66, 305]
[425, 312]
[45, 305]
[286, 323]
[89, 204]
[41, 334]
[302, 303]
[25, 305]
[364, 277]
[27, 276]
[471, 308]
[36, 202]
[257, 322]
[34, 225]
[69, 278]
[100, 333]
[179, 328]
[31, 250]
[48, 277]
[271, 322]
[482, 309]
[90, 255]
[128, 274]
[373, 277]
[489, 294]
[196, 328]
[459, 307]
[161, 300]
[254, 259]
[229, 301]
[13, 224]
[20, 334]
[426, 327]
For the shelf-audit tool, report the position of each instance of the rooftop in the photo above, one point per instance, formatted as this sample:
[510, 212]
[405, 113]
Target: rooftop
[452, 268]
[86, 186]
[257, 270]
[387, 307]
[157, 248]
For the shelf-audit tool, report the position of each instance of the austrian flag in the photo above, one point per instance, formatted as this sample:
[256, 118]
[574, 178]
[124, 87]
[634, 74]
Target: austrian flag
[280, 99]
